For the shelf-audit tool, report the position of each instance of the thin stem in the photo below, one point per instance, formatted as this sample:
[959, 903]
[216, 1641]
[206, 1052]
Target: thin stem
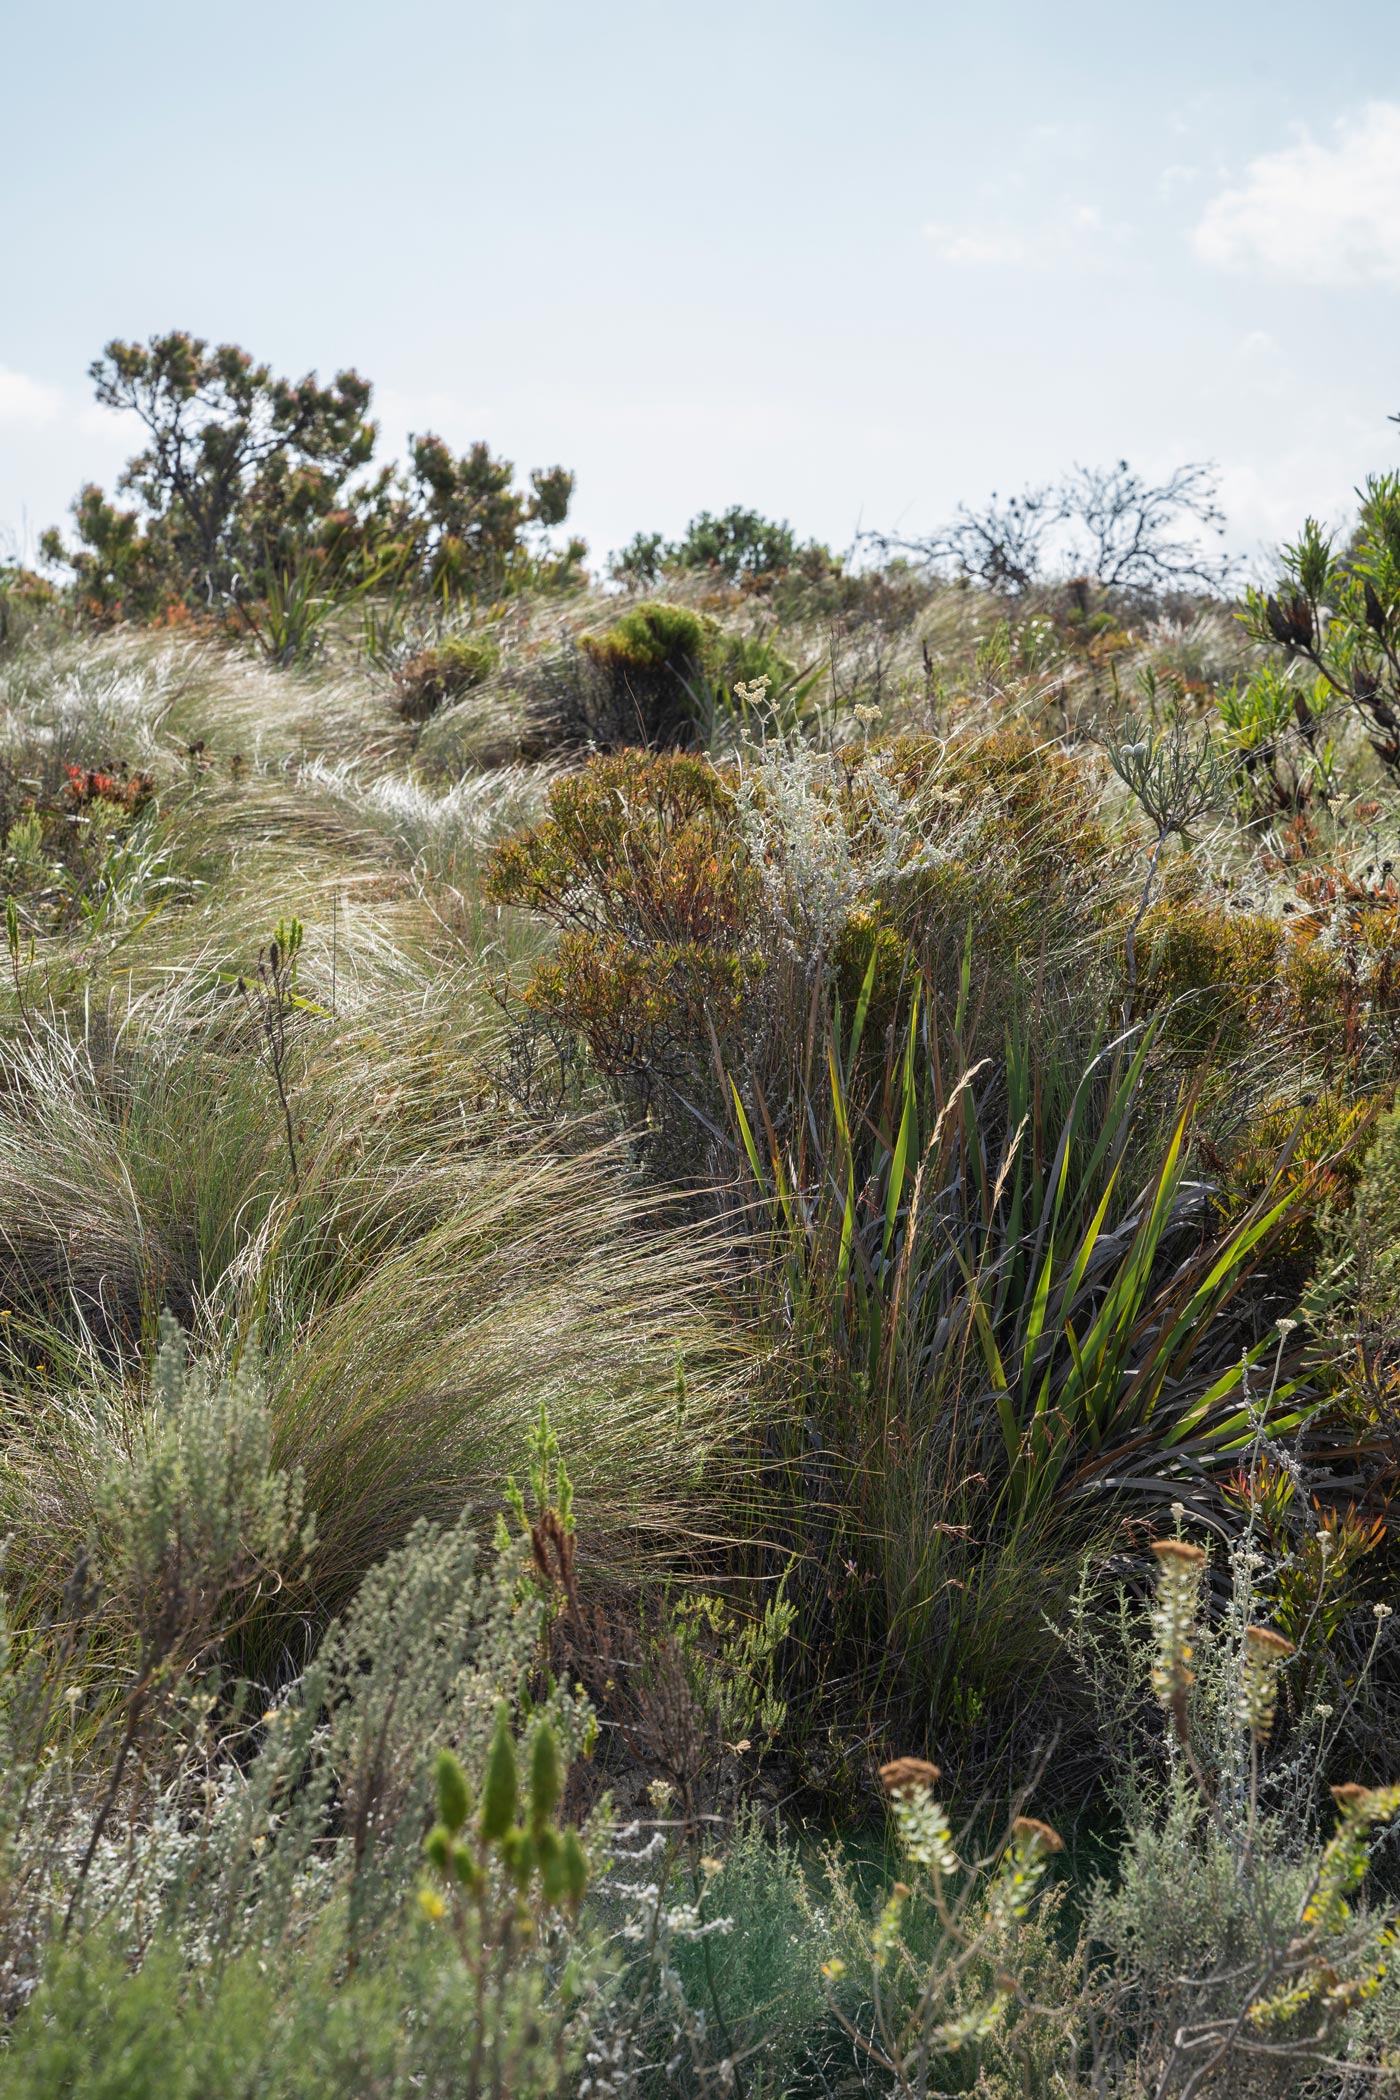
[1131, 942]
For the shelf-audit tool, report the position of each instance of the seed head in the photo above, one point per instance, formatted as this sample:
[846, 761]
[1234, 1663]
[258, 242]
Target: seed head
[1179, 1566]
[1036, 1836]
[1179, 1550]
[902, 1774]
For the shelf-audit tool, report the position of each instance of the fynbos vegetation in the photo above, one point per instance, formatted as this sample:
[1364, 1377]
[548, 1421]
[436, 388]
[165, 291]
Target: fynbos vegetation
[699, 1322]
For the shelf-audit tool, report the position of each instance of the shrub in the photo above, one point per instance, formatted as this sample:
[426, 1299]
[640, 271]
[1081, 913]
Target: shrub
[1211, 970]
[739, 545]
[267, 1874]
[465, 529]
[954, 1971]
[1230, 1952]
[640, 866]
[1335, 612]
[650, 668]
[247, 496]
[720, 1945]
[296, 2030]
[1321, 1139]
[236, 459]
[1342, 968]
[752, 887]
[24, 599]
[440, 675]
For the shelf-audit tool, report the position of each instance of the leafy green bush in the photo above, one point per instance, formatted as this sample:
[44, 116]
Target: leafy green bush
[738, 547]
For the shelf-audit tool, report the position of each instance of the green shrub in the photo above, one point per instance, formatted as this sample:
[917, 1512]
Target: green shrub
[720, 1939]
[701, 902]
[297, 2030]
[1335, 612]
[273, 1878]
[237, 459]
[650, 672]
[1232, 1949]
[739, 545]
[247, 498]
[1213, 970]
[444, 673]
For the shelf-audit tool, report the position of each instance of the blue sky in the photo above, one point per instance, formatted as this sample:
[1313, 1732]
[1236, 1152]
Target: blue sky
[847, 264]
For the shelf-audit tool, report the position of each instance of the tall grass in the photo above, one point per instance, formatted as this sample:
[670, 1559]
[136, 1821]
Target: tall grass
[440, 1266]
[429, 1282]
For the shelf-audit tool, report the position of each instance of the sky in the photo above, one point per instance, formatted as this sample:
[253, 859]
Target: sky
[849, 265]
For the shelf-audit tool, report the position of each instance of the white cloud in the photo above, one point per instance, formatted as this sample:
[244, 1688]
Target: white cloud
[1178, 176]
[977, 246]
[1075, 235]
[25, 404]
[1314, 213]
[1258, 347]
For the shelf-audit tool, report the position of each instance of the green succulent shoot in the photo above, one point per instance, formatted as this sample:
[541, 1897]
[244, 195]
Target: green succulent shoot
[498, 1793]
[546, 1784]
[454, 1800]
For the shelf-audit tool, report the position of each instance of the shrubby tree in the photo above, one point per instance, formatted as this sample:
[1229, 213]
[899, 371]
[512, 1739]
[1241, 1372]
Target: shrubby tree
[739, 546]
[465, 522]
[233, 456]
[246, 479]
[640, 562]
[1002, 546]
[1136, 535]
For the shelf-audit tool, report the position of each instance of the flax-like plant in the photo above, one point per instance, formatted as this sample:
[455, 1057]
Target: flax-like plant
[1033, 1314]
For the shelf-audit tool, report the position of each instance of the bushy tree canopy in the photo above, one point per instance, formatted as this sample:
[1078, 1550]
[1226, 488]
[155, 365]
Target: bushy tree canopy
[243, 474]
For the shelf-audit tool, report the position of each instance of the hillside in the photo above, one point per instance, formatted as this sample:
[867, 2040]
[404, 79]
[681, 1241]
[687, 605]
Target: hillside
[652, 1237]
